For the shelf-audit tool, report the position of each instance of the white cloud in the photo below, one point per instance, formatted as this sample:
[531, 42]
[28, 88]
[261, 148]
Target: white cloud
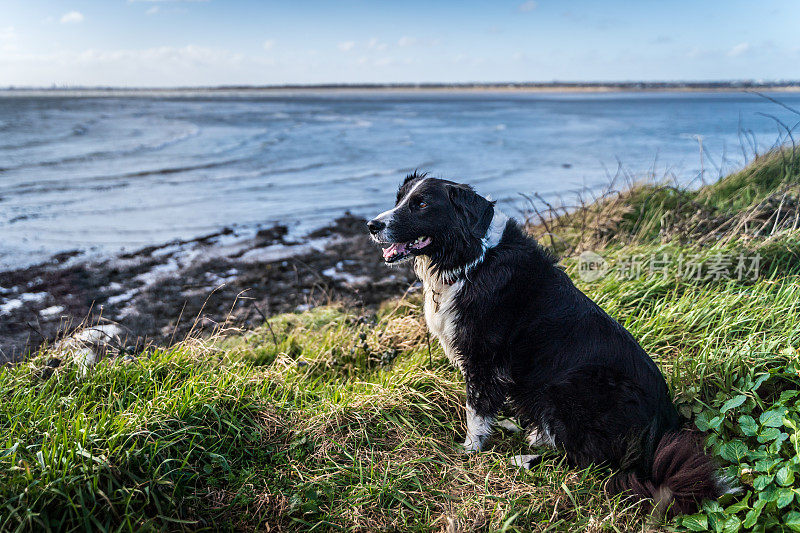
[695, 51]
[269, 44]
[384, 61]
[159, 66]
[346, 46]
[72, 17]
[193, 54]
[739, 49]
[153, 10]
[375, 44]
[8, 39]
[530, 5]
[406, 41]
[8, 34]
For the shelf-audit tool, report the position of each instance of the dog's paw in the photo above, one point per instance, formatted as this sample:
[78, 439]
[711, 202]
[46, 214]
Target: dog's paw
[473, 444]
[538, 438]
[525, 461]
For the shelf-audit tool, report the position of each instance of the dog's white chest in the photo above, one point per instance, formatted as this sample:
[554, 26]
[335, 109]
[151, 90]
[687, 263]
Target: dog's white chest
[440, 311]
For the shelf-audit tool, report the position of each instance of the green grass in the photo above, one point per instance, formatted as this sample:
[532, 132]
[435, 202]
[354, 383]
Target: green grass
[742, 204]
[328, 420]
[755, 182]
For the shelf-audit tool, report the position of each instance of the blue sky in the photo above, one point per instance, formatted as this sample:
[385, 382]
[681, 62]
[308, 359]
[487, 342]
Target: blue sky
[220, 42]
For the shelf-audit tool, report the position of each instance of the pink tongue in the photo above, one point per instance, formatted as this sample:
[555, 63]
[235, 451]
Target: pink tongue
[396, 248]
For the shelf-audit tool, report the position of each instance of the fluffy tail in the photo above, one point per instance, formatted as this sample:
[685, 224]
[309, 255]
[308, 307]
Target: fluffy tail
[682, 476]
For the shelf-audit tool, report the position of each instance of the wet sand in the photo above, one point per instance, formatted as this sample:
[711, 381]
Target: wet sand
[158, 294]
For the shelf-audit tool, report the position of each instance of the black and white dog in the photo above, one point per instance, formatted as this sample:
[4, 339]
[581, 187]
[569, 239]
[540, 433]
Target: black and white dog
[519, 330]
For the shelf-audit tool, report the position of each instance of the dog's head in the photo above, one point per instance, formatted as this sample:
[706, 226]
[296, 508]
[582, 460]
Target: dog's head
[436, 218]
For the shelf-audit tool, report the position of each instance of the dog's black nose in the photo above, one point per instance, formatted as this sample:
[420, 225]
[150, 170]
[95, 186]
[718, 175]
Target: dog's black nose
[375, 226]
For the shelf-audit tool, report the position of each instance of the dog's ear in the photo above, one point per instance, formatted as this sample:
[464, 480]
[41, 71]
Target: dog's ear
[476, 210]
[408, 183]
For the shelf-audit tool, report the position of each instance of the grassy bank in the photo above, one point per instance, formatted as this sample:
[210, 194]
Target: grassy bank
[329, 420]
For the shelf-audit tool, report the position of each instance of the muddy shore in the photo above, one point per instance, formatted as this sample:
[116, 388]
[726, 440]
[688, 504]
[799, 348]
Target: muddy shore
[158, 294]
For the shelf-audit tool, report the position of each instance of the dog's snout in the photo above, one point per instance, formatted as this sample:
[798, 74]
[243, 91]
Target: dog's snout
[375, 225]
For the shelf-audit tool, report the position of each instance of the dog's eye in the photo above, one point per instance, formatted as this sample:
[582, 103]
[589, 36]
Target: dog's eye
[420, 204]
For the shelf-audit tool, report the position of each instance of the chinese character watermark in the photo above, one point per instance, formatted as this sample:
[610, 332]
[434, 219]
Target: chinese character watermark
[716, 267]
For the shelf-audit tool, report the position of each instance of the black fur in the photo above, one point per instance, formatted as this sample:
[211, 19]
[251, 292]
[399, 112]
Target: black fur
[526, 334]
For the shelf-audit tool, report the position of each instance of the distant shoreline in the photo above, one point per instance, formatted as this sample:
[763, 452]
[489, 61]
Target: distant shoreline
[577, 87]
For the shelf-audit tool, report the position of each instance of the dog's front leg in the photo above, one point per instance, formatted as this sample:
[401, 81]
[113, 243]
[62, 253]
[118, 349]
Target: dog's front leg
[485, 398]
[479, 428]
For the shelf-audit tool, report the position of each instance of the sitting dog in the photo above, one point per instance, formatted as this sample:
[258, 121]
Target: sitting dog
[519, 330]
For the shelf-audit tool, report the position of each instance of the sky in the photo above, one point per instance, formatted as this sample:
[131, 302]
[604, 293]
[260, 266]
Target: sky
[162, 43]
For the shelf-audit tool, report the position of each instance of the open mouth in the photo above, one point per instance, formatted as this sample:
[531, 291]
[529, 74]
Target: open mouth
[401, 250]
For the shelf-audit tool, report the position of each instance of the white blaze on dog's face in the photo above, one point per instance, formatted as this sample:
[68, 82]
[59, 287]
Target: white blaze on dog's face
[403, 227]
[429, 215]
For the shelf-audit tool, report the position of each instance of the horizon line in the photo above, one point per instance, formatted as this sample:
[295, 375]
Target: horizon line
[556, 84]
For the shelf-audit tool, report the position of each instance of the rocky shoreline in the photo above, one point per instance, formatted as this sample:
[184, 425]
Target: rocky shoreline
[159, 294]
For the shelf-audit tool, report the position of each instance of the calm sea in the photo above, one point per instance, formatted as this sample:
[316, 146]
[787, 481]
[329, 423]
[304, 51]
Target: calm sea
[103, 174]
